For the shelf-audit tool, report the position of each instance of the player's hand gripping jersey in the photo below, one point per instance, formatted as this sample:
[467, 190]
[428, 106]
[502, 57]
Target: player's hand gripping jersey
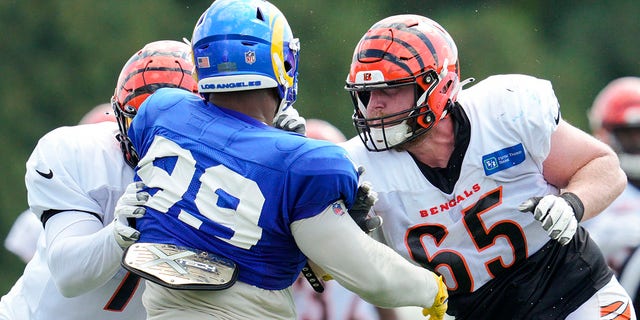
[74, 178]
[227, 184]
[469, 228]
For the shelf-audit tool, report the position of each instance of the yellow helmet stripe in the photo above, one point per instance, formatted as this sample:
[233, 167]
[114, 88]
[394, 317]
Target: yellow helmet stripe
[277, 49]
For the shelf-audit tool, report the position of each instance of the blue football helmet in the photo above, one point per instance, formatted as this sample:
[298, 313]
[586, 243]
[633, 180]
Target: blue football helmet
[246, 45]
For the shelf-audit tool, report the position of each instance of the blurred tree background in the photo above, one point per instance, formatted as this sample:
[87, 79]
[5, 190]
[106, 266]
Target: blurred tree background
[61, 58]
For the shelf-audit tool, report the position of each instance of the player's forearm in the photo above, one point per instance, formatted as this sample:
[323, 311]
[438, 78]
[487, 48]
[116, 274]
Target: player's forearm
[82, 255]
[361, 264]
[597, 184]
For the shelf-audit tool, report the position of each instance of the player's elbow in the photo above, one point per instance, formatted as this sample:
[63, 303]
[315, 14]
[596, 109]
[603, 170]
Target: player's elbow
[75, 276]
[67, 285]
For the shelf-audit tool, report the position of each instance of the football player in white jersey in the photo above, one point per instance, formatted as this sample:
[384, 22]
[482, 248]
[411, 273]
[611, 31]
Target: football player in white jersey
[486, 185]
[615, 119]
[23, 236]
[74, 178]
[238, 207]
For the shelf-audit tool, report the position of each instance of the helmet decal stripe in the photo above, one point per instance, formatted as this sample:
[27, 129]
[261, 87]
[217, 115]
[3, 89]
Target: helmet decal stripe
[164, 69]
[376, 53]
[404, 27]
[148, 89]
[425, 41]
[412, 50]
[277, 50]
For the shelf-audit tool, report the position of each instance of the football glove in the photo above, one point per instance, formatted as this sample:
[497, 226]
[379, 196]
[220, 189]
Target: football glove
[559, 215]
[290, 120]
[440, 303]
[366, 197]
[128, 208]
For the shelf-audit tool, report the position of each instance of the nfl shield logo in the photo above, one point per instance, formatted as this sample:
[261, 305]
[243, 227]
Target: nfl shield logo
[337, 208]
[250, 57]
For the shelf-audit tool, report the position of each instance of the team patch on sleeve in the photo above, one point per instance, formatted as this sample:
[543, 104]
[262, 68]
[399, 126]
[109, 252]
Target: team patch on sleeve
[503, 159]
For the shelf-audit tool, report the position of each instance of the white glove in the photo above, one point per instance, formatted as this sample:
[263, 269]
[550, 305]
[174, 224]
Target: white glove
[290, 120]
[128, 208]
[559, 215]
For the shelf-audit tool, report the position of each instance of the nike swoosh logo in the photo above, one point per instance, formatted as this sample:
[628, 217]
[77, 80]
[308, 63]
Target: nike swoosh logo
[48, 175]
[557, 118]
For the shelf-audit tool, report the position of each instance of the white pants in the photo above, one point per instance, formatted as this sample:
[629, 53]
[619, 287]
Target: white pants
[241, 301]
[13, 305]
[610, 302]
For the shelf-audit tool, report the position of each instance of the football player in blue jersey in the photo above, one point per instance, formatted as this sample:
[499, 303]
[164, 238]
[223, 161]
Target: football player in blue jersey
[486, 185]
[238, 207]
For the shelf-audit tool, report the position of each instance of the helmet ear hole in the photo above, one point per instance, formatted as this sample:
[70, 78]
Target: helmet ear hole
[446, 87]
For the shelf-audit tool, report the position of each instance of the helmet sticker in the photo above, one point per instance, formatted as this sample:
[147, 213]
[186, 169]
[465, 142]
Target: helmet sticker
[250, 57]
[203, 62]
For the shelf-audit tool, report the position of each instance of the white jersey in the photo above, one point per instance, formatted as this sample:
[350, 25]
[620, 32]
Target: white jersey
[421, 221]
[78, 169]
[469, 229]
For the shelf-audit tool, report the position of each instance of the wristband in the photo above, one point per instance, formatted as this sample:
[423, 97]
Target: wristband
[575, 203]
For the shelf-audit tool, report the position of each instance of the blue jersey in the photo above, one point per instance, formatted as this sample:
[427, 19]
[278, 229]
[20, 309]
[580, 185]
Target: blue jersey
[225, 183]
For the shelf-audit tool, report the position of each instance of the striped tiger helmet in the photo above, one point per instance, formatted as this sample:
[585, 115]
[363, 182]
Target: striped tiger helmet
[398, 51]
[159, 64]
[615, 119]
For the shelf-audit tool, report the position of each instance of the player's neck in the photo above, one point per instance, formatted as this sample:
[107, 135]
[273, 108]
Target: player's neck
[258, 104]
[435, 147]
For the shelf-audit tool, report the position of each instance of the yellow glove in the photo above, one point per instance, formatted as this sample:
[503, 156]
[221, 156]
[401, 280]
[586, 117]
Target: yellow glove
[439, 307]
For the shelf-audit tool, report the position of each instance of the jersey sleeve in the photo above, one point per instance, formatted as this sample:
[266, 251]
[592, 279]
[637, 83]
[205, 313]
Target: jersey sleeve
[320, 177]
[520, 106]
[362, 265]
[52, 176]
[541, 112]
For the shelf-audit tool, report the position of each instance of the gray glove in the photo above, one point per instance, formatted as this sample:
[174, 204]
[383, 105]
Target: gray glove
[290, 120]
[128, 208]
[366, 197]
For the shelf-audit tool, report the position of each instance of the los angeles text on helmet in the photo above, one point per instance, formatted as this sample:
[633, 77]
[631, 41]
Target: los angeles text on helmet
[230, 85]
